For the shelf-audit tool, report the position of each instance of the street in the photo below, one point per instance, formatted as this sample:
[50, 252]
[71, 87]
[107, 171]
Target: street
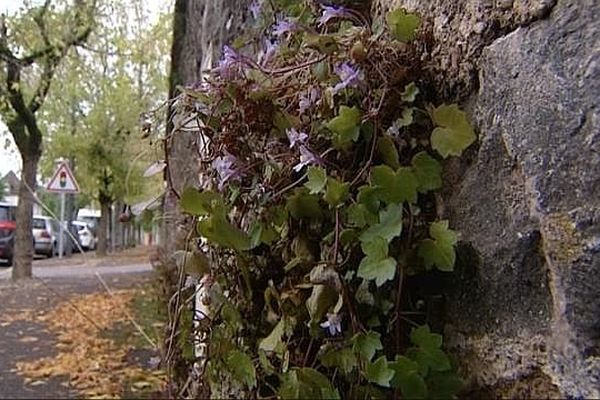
[66, 317]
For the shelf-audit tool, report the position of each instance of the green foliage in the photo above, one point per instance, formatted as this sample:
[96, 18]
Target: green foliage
[336, 192]
[379, 372]
[365, 345]
[403, 25]
[439, 251]
[241, 367]
[317, 180]
[344, 359]
[306, 383]
[346, 126]
[376, 264]
[395, 187]
[454, 132]
[427, 172]
[323, 247]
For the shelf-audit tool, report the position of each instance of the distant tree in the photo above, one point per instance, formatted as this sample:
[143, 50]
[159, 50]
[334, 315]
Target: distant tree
[105, 87]
[32, 46]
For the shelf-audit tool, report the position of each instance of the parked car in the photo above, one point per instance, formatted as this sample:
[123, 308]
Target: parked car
[46, 231]
[86, 237]
[45, 235]
[8, 216]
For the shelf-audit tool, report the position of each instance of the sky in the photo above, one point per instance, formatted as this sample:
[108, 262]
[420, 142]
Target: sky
[9, 155]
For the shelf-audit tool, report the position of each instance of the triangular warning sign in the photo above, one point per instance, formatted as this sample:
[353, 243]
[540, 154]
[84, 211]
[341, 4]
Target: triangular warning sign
[63, 181]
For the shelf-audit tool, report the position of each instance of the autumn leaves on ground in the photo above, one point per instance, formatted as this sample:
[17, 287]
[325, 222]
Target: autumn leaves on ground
[98, 352]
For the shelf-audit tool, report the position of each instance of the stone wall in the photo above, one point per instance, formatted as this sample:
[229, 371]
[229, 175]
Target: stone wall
[524, 306]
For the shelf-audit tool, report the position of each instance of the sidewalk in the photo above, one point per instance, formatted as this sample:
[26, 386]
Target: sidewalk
[32, 331]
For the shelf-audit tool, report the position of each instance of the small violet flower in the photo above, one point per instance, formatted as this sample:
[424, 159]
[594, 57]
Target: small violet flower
[333, 323]
[350, 76]
[307, 99]
[296, 137]
[255, 8]
[230, 64]
[307, 157]
[284, 26]
[330, 12]
[224, 167]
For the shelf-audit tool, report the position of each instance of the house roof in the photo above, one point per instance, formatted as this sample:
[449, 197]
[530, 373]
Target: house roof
[12, 183]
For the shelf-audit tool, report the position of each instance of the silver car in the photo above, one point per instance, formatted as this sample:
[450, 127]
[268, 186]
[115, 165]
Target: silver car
[45, 236]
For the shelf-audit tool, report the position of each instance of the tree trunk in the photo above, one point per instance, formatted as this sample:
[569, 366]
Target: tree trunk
[24, 238]
[103, 228]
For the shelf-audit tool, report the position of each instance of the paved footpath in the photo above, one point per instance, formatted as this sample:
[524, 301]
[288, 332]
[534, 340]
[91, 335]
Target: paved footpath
[51, 286]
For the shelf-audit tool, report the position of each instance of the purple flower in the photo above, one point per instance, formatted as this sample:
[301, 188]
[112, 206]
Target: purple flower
[284, 26]
[224, 167]
[306, 158]
[307, 99]
[266, 54]
[333, 323]
[296, 137]
[230, 64]
[350, 76]
[330, 12]
[255, 8]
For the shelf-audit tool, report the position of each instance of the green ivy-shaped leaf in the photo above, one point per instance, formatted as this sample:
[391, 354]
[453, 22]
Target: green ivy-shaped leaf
[359, 216]
[389, 226]
[366, 344]
[410, 93]
[454, 132]
[428, 353]
[379, 372]
[368, 196]
[303, 205]
[317, 179]
[344, 359]
[219, 230]
[199, 203]
[439, 251]
[379, 270]
[274, 343]
[376, 264]
[403, 25]
[325, 44]
[386, 149]
[406, 119]
[306, 383]
[394, 187]
[407, 378]
[422, 337]
[336, 192]
[428, 172]
[241, 367]
[346, 126]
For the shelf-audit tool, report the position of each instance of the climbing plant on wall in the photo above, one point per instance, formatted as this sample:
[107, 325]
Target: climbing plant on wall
[321, 157]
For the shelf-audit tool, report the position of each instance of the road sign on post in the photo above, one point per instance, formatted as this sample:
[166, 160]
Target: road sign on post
[62, 182]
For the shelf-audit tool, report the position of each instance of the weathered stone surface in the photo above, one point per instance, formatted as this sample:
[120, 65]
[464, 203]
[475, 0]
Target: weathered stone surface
[530, 206]
[460, 29]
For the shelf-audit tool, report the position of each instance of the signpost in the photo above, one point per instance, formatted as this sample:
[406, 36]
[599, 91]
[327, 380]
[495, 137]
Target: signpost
[62, 182]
